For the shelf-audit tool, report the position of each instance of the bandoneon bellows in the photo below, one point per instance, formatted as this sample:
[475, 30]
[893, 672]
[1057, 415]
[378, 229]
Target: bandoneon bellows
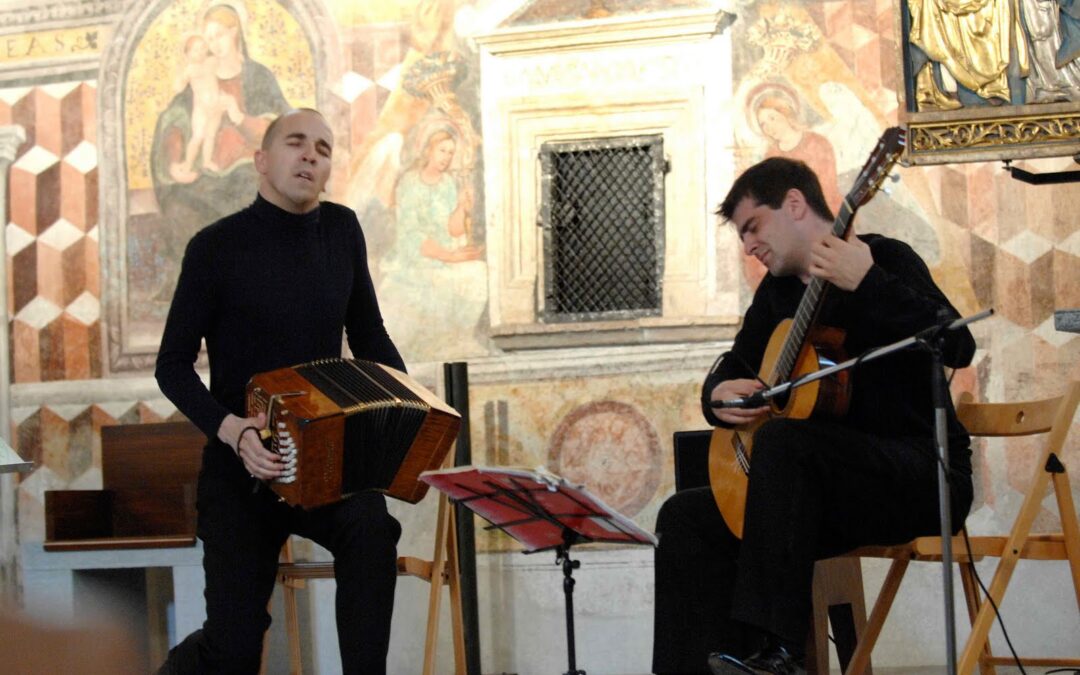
[351, 425]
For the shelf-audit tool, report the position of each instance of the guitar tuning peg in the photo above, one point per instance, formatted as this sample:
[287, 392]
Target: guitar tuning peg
[894, 177]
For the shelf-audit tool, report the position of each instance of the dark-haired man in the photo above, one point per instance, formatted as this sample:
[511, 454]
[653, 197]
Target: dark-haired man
[819, 486]
[271, 286]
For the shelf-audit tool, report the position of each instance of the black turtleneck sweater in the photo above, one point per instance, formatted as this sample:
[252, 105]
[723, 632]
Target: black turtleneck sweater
[267, 289]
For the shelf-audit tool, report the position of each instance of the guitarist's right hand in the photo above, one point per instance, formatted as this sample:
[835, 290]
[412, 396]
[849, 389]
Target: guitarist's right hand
[732, 389]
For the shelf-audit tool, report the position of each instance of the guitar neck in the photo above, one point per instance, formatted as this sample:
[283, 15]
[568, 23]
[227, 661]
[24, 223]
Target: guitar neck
[807, 312]
[884, 155]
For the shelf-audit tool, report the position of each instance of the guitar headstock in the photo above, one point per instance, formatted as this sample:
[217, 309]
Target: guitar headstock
[877, 167]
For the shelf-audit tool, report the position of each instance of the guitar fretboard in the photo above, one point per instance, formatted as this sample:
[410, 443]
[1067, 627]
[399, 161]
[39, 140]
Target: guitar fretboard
[808, 308]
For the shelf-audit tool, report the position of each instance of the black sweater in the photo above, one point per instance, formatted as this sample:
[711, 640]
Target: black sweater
[267, 289]
[891, 395]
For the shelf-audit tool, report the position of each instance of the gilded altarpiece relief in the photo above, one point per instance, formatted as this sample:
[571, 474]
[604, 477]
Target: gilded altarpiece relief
[993, 79]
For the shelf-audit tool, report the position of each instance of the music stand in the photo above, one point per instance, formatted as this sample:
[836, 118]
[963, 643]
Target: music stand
[543, 512]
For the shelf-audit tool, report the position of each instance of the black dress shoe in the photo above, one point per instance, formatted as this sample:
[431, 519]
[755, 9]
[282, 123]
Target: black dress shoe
[769, 661]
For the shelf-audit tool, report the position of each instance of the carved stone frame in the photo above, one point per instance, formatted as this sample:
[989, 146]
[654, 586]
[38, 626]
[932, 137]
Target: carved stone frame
[321, 32]
[989, 133]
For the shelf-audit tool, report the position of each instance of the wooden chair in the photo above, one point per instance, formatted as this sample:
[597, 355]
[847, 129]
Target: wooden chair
[1053, 417]
[441, 569]
[838, 601]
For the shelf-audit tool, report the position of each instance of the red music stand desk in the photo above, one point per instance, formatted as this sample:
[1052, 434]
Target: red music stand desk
[541, 511]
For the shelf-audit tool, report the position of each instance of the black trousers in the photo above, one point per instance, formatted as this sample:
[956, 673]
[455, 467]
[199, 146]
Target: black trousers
[243, 530]
[816, 489]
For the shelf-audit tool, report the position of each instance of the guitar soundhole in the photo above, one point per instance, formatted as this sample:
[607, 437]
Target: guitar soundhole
[781, 401]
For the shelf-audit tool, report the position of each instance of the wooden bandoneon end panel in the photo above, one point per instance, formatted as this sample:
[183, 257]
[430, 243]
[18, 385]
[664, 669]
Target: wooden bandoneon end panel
[353, 425]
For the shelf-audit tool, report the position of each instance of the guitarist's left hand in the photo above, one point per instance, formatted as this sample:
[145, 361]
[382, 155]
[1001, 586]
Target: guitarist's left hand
[841, 262]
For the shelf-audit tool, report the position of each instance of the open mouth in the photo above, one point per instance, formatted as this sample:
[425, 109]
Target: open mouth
[306, 175]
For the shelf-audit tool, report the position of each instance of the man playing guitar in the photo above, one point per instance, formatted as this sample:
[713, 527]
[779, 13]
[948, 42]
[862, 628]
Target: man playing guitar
[733, 586]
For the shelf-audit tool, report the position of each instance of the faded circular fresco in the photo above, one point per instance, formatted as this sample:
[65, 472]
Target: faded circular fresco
[613, 450]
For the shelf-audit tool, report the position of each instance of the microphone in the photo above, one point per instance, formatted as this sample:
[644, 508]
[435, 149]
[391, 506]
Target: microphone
[755, 400]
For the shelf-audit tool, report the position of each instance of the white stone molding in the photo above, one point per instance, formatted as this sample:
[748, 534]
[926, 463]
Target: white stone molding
[624, 76]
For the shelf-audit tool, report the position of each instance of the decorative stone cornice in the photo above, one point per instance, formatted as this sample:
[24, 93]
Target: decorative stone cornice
[663, 27]
[39, 16]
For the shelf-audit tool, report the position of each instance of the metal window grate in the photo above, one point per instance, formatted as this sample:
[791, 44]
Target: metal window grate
[602, 211]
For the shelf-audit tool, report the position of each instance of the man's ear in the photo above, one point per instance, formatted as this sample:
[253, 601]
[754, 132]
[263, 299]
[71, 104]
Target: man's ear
[795, 202]
[260, 161]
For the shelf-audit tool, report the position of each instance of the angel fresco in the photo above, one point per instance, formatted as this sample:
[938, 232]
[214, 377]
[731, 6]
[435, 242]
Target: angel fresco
[434, 270]
[833, 137]
[774, 113]
[413, 184]
[435, 74]
[433, 211]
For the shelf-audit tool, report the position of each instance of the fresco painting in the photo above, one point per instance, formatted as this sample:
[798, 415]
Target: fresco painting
[800, 99]
[204, 82]
[601, 432]
[414, 182]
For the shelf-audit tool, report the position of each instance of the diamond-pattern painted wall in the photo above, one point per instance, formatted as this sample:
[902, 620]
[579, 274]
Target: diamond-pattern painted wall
[64, 442]
[54, 277]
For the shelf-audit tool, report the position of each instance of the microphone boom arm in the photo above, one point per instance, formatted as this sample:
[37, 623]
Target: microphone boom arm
[760, 398]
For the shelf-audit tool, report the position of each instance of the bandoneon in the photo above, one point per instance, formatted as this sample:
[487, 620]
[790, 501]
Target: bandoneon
[348, 425]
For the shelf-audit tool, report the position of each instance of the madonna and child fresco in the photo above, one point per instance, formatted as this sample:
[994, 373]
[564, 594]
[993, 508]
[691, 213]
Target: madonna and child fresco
[205, 80]
[197, 102]
[204, 140]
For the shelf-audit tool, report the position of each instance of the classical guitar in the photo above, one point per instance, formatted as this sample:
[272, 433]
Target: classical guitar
[796, 347]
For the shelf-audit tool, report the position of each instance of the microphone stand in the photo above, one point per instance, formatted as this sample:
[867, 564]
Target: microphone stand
[930, 339]
[939, 395]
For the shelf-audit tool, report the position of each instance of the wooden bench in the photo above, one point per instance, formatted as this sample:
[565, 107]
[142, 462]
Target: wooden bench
[149, 475]
[142, 519]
